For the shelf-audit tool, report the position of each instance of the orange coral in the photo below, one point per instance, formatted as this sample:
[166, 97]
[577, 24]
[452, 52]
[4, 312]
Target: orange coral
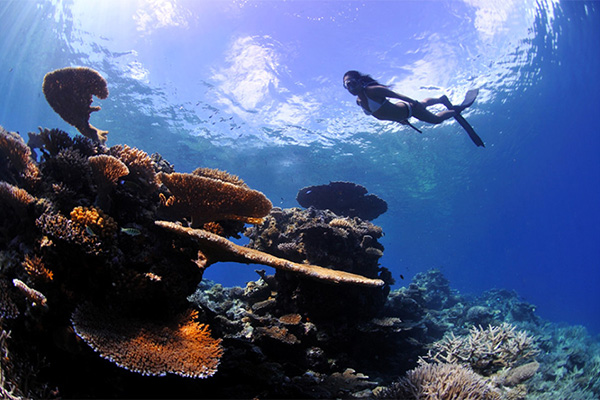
[59, 227]
[34, 266]
[183, 347]
[215, 248]
[15, 158]
[207, 199]
[96, 220]
[69, 92]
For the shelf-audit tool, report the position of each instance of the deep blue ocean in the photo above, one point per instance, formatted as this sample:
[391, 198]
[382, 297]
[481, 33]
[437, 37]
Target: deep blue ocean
[255, 88]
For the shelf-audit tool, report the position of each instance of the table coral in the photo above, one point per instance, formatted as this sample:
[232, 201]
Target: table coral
[182, 347]
[69, 92]
[343, 198]
[216, 248]
[206, 199]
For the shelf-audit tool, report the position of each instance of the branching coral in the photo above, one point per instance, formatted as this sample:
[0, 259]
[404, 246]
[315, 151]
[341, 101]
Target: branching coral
[35, 268]
[207, 198]
[216, 248]
[485, 350]
[69, 92]
[183, 347]
[440, 382]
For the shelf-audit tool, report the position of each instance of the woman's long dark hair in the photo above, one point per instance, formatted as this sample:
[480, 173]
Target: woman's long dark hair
[363, 79]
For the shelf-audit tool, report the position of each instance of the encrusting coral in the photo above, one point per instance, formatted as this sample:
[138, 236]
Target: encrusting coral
[69, 92]
[207, 198]
[215, 248]
[182, 346]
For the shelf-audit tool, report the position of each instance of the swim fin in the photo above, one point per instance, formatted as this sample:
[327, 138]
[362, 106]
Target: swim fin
[467, 102]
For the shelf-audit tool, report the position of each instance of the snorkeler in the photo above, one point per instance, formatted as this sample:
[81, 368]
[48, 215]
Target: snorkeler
[373, 98]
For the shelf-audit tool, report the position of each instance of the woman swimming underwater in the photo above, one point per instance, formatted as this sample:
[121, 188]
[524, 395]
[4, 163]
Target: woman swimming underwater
[373, 98]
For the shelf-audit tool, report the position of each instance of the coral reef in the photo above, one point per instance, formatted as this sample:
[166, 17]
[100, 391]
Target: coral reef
[324, 238]
[69, 92]
[214, 248]
[343, 198]
[99, 295]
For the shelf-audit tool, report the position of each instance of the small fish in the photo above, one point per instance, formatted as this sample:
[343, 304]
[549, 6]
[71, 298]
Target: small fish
[131, 231]
[89, 231]
[401, 276]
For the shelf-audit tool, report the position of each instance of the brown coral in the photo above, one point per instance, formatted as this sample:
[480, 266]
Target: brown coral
[520, 374]
[59, 227]
[215, 248]
[16, 163]
[207, 199]
[96, 220]
[141, 166]
[15, 197]
[36, 297]
[106, 171]
[183, 347]
[69, 92]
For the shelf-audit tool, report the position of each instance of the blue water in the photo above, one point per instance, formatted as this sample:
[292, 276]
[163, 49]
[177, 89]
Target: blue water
[255, 88]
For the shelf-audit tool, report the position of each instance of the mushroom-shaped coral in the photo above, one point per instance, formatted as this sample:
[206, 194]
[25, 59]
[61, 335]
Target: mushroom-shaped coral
[343, 198]
[208, 198]
[183, 347]
[69, 92]
[215, 248]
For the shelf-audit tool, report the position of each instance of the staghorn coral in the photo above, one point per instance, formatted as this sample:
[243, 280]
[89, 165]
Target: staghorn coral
[96, 220]
[69, 92]
[182, 347]
[35, 268]
[440, 382]
[16, 164]
[206, 199]
[216, 248]
[343, 198]
[485, 350]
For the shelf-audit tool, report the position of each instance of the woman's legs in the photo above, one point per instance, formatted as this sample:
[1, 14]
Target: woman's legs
[420, 110]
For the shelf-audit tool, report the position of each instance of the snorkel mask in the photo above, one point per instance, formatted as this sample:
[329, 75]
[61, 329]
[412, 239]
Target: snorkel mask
[352, 85]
